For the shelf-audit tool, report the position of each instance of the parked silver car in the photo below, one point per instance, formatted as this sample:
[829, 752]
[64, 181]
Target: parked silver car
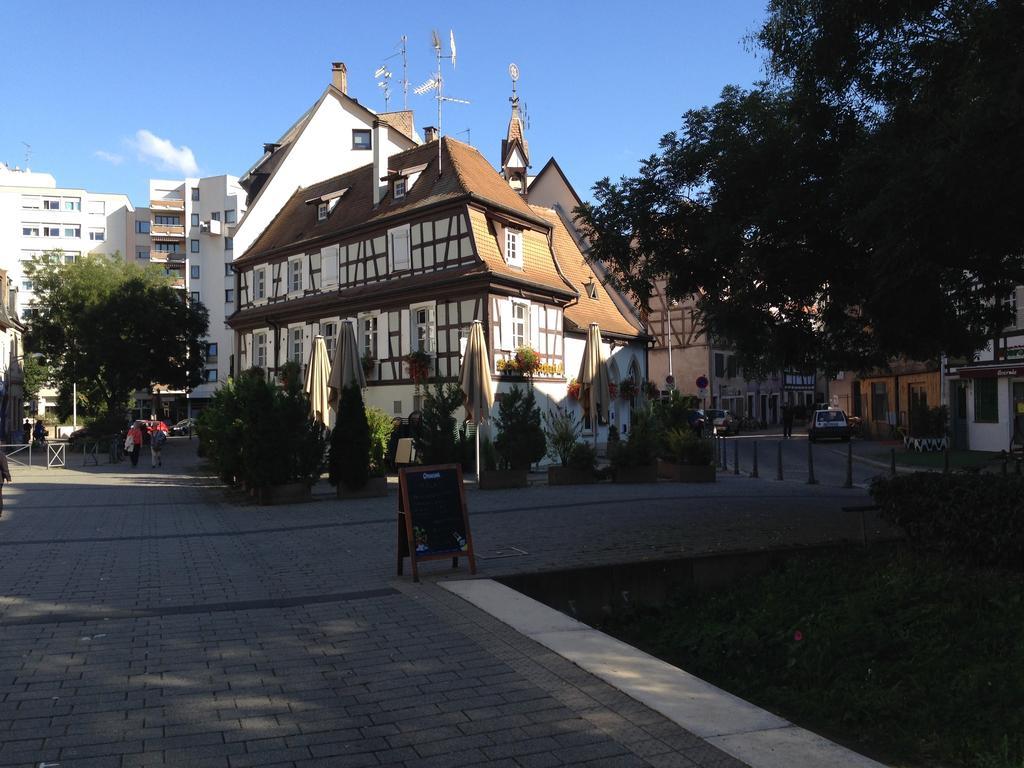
[723, 422]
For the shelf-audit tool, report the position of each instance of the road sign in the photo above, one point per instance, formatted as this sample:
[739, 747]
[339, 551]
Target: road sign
[702, 393]
[702, 382]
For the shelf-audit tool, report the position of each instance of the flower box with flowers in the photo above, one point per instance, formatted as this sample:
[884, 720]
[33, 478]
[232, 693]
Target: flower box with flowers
[419, 366]
[628, 389]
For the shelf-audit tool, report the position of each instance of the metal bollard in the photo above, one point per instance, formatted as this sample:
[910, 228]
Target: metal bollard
[723, 463]
[945, 461]
[849, 466]
[736, 457]
[1005, 463]
[1016, 465]
[754, 473]
[810, 465]
[779, 477]
[892, 461]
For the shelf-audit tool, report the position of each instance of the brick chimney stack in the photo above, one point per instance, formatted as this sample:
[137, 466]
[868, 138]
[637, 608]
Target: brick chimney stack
[339, 76]
[429, 134]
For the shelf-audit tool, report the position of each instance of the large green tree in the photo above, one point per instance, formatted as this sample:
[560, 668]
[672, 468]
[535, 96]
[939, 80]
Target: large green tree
[857, 205]
[113, 327]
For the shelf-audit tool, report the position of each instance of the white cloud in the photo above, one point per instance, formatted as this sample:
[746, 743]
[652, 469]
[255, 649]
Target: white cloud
[110, 157]
[163, 154]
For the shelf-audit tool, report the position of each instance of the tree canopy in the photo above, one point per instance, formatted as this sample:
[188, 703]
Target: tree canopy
[857, 205]
[113, 328]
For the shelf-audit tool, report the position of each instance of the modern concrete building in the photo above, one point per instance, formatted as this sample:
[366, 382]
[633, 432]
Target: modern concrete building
[37, 216]
[187, 229]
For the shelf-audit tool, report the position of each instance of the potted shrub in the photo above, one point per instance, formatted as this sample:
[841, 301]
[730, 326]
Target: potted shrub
[688, 458]
[527, 361]
[634, 460]
[282, 448]
[562, 430]
[628, 389]
[572, 389]
[438, 440]
[351, 461]
[519, 441]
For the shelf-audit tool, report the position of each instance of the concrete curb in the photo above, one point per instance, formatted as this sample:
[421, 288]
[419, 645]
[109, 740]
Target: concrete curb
[735, 726]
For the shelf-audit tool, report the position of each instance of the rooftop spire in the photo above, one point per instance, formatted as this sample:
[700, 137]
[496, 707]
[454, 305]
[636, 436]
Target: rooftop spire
[515, 153]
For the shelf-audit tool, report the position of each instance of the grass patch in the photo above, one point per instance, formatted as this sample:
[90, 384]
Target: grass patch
[896, 654]
[935, 460]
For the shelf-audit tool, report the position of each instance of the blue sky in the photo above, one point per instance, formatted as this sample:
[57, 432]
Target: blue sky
[110, 95]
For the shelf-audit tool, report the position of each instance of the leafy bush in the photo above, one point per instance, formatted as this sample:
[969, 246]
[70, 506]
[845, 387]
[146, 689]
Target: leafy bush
[975, 518]
[261, 434]
[583, 457]
[901, 652]
[350, 458]
[641, 448]
[438, 439]
[520, 440]
[381, 426]
[488, 456]
[673, 412]
[684, 446]
[562, 430]
[928, 422]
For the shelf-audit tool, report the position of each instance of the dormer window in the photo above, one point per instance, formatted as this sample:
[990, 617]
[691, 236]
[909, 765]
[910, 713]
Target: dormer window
[514, 247]
[400, 187]
[321, 212]
[591, 287]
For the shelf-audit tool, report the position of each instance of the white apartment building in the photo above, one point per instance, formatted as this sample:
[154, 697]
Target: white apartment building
[38, 216]
[188, 229]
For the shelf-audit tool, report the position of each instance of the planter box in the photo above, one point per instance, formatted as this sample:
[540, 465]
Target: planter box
[289, 493]
[570, 476]
[374, 488]
[686, 473]
[648, 474]
[499, 479]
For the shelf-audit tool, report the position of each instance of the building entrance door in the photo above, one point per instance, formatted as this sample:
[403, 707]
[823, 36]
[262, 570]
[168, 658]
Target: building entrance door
[959, 414]
[1017, 440]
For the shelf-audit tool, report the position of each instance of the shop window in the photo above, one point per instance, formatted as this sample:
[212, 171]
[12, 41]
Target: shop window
[986, 400]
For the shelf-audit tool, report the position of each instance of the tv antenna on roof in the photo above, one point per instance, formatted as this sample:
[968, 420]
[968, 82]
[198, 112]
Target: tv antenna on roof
[436, 84]
[383, 75]
[28, 154]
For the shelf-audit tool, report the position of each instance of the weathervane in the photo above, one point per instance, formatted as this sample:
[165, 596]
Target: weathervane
[383, 75]
[436, 84]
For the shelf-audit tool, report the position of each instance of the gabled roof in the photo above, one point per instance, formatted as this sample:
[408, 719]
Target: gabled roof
[578, 272]
[465, 176]
[272, 159]
[552, 166]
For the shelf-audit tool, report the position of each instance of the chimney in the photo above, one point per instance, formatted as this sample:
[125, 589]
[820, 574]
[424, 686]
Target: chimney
[339, 76]
[429, 134]
[380, 132]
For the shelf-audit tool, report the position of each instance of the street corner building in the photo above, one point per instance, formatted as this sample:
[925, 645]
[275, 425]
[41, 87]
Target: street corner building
[410, 247]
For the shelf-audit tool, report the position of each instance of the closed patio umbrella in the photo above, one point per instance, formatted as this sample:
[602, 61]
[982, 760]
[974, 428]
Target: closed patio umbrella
[593, 379]
[348, 368]
[475, 381]
[317, 373]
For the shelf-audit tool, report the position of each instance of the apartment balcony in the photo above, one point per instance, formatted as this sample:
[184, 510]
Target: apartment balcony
[167, 205]
[178, 282]
[210, 227]
[162, 257]
[167, 231]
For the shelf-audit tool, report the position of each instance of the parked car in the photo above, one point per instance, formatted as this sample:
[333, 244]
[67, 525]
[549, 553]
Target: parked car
[831, 423]
[183, 427]
[723, 422]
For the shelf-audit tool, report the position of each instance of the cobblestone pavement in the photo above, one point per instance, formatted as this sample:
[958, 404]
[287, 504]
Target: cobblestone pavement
[148, 618]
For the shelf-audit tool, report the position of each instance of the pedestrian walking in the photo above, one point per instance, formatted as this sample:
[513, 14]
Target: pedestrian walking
[787, 420]
[26, 432]
[39, 432]
[133, 443]
[156, 444]
[5, 476]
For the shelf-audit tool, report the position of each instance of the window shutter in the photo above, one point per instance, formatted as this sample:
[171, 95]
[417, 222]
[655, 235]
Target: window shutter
[405, 330]
[382, 335]
[329, 267]
[535, 312]
[505, 315]
[432, 330]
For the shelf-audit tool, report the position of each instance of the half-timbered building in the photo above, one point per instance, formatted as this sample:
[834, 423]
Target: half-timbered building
[411, 249]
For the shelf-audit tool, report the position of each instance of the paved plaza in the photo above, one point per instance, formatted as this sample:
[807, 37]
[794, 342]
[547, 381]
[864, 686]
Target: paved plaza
[148, 618]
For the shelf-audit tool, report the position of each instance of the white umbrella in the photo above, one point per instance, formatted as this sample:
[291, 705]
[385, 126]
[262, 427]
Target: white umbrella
[593, 379]
[348, 368]
[475, 381]
[317, 373]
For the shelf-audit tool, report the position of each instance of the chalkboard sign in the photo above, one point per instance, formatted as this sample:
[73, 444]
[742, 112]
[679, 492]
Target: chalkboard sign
[432, 520]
